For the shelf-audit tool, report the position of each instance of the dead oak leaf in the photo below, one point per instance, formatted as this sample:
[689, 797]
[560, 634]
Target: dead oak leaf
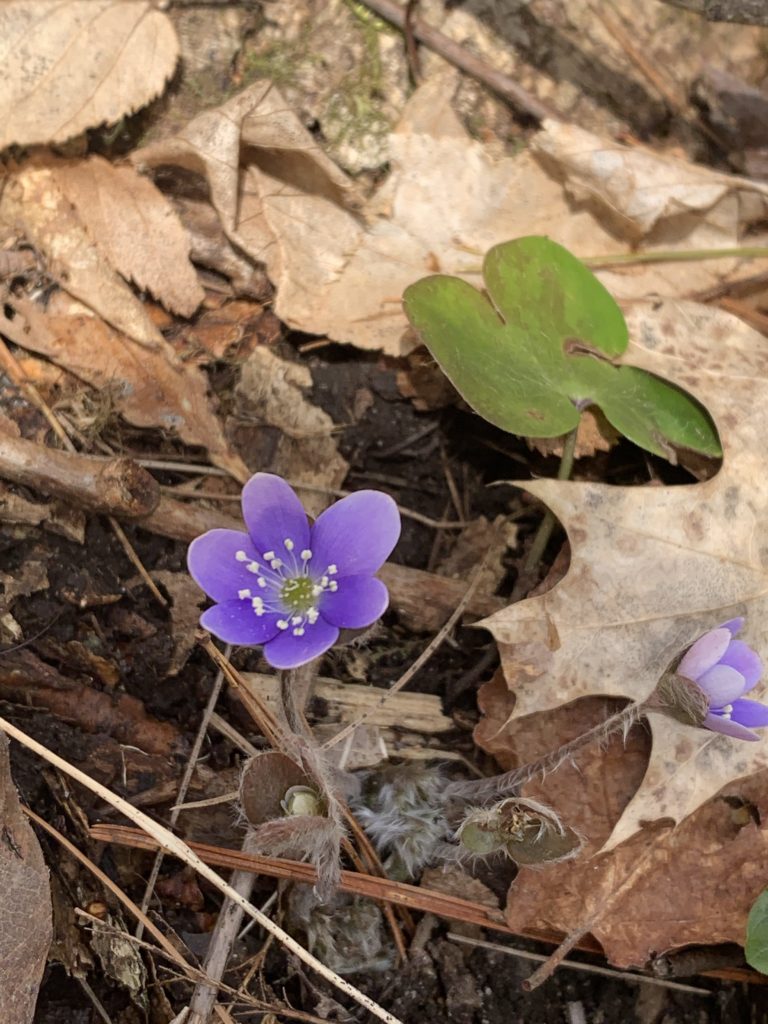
[135, 227]
[654, 567]
[25, 908]
[78, 64]
[636, 899]
[150, 388]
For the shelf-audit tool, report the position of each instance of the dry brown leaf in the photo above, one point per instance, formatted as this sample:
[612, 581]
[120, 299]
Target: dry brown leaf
[34, 203]
[150, 388]
[342, 275]
[654, 567]
[304, 451]
[185, 615]
[77, 64]
[135, 227]
[695, 884]
[25, 908]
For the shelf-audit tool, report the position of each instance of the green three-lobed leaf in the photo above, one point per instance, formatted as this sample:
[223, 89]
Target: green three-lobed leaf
[540, 347]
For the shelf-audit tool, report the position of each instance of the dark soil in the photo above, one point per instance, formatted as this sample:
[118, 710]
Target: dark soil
[97, 630]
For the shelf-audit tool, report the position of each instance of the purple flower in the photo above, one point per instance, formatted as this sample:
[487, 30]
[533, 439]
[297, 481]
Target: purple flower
[291, 586]
[725, 669]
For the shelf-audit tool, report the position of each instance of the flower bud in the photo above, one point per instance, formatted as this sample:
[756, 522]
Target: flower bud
[680, 698]
[301, 800]
[527, 831]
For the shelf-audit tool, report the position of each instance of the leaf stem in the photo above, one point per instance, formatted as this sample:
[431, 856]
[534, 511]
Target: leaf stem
[547, 524]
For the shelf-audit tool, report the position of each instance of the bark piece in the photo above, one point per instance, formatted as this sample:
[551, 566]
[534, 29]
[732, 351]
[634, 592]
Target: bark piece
[25, 908]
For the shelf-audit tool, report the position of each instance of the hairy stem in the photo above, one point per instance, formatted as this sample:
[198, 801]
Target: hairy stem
[507, 784]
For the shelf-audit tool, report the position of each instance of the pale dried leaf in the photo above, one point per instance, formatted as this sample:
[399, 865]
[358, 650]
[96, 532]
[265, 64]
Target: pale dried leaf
[25, 907]
[271, 393]
[34, 203]
[75, 65]
[151, 388]
[654, 567]
[135, 227]
[343, 275]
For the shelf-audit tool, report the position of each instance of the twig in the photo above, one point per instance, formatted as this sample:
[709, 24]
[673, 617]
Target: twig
[413, 897]
[220, 947]
[115, 486]
[172, 844]
[574, 965]
[135, 561]
[497, 81]
[194, 754]
[422, 659]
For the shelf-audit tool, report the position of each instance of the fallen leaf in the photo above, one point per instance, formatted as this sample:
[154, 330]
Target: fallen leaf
[135, 227]
[652, 568]
[33, 202]
[341, 274]
[271, 393]
[149, 388]
[659, 909]
[75, 65]
[185, 615]
[25, 909]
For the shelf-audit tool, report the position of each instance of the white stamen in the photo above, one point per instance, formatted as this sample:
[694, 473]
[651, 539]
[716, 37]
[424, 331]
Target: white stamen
[312, 616]
[257, 602]
[241, 556]
[242, 594]
[268, 556]
[306, 554]
[726, 715]
[296, 620]
[332, 570]
[316, 591]
[261, 581]
[728, 708]
[299, 631]
[276, 563]
[323, 582]
[252, 567]
[333, 585]
[282, 624]
[288, 543]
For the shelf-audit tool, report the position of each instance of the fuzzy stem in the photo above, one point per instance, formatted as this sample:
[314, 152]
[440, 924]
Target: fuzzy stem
[547, 524]
[510, 782]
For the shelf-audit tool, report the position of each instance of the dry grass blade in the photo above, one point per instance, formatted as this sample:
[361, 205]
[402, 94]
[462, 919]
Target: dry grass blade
[172, 844]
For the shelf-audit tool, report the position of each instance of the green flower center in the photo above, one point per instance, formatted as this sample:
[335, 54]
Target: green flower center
[298, 594]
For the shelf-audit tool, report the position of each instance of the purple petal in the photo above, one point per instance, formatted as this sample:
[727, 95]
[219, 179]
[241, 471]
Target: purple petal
[741, 657]
[705, 653]
[289, 651]
[717, 724]
[722, 684]
[358, 602]
[273, 514]
[750, 713]
[235, 622]
[213, 565]
[357, 534]
[734, 625]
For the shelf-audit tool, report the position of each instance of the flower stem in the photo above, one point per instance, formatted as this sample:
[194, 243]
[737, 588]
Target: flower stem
[510, 782]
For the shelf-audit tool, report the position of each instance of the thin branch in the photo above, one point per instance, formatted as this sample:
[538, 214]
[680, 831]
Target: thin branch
[497, 81]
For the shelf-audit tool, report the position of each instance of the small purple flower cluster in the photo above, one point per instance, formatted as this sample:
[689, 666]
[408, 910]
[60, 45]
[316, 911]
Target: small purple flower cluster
[725, 669]
[289, 585]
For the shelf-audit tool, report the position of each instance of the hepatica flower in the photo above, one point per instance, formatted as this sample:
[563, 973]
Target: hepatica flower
[289, 585]
[725, 669]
